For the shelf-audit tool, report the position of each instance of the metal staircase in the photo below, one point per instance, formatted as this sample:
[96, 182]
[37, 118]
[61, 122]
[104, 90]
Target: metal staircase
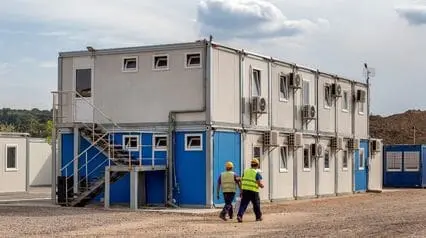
[77, 192]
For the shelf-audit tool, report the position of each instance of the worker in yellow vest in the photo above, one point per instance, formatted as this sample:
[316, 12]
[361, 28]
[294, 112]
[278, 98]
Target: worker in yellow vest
[229, 181]
[251, 181]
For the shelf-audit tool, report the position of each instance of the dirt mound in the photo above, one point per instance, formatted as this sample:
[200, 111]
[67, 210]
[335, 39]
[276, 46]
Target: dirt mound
[398, 128]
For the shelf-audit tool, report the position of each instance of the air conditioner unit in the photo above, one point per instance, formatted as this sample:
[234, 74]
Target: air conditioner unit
[353, 144]
[295, 140]
[340, 143]
[270, 138]
[360, 95]
[309, 112]
[356, 143]
[317, 150]
[258, 105]
[336, 90]
[376, 145]
[295, 80]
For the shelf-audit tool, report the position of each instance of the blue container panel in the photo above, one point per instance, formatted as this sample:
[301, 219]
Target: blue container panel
[67, 153]
[190, 172]
[226, 147]
[155, 187]
[423, 166]
[361, 175]
[401, 178]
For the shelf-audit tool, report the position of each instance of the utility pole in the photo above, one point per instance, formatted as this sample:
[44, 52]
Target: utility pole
[369, 72]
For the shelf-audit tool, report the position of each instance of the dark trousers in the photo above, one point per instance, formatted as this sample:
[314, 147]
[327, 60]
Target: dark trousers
[227, 209]
[253, 197]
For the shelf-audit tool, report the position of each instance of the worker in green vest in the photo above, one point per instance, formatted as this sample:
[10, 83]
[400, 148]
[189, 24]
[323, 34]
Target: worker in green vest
[251, 181]
[229, 181]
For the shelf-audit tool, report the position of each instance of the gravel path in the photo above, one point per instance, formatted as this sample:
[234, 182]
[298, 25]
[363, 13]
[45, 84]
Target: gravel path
[388, 214]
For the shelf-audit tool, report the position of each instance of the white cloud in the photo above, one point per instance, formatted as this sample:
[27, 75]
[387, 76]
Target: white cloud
[5, 68]
[414, 14]
[250, 19]
[48, 64]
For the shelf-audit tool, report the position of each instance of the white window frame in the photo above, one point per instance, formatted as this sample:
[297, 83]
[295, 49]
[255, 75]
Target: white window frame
[418, 161]
[326, 152]
[16, 158]
[326, 105]
[193, 66]
[284, 96]
[260, 154]
[397, 155]
[197, 148]
[345, 155]
[308, 82]
[361, 151]
[123, 65]
[154, 66]
[345, 96]
[131, 148]
[254, 84]
[281, 161]
[154, 144]
[307, 147]
[361, 112]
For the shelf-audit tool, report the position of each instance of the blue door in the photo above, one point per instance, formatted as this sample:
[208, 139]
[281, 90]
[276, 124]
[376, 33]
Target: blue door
[361, 167]
[226, 147]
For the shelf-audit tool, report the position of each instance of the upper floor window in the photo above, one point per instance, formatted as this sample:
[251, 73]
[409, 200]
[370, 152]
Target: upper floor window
[283, 88]
[193, 142]
[306, 92]
[130, 64]
[327, 96]
[131, 142]
[161, 62]
[160, 142]
[345, 101]
[256, 83]
[83, 82]
[193, 60]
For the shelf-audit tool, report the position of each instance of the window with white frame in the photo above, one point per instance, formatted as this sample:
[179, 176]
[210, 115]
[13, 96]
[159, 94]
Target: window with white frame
[256, 90]
[361, 107]
[411, 161]
[327, 95]
[131, 142]
[345, 160]
[326, 160]
[193, 142]
[283, 88]
[130, 64]
[160, 142]
[193, 60]
[345, 101]
[361, 159]
[307, 158]
[257, 154]
[11, 157]
[283, 159]
[161, 62]
[394, 161]
[306, 91]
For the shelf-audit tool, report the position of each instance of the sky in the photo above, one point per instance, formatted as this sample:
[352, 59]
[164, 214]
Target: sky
[335, 36]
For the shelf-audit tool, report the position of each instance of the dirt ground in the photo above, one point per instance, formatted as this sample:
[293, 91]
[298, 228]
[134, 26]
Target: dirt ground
[399, 213]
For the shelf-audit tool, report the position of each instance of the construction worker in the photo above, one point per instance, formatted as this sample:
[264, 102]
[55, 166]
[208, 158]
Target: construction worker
[251, 181]
[229, 181]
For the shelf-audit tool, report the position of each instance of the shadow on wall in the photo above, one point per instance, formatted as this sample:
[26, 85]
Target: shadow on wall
[43, 177]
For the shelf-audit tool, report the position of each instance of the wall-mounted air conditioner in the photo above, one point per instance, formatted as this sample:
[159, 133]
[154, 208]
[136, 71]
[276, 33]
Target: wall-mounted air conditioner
[336, 90]
[317, 150]
[258, 105]
[270, 138]
[353, 144]
[295, 140]
[309, 112]
[337, 143]
[295, 80]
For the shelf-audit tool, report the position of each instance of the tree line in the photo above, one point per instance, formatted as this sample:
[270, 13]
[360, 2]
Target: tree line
[38, 123]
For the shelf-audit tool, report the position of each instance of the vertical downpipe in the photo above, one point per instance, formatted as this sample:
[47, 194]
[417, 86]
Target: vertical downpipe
[317, 139]
[242, 110]
[209, 134]
[353, 107]
[270, 155]
[76, 159]
[294, 151]
[336, 153]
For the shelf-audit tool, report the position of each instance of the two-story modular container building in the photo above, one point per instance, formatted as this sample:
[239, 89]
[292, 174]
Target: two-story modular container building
[155, 125]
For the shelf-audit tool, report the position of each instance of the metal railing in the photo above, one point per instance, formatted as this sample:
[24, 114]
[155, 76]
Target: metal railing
[66, 100]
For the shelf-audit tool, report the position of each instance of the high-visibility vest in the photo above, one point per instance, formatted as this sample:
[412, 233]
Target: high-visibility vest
[249, 180]
[228, 182]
